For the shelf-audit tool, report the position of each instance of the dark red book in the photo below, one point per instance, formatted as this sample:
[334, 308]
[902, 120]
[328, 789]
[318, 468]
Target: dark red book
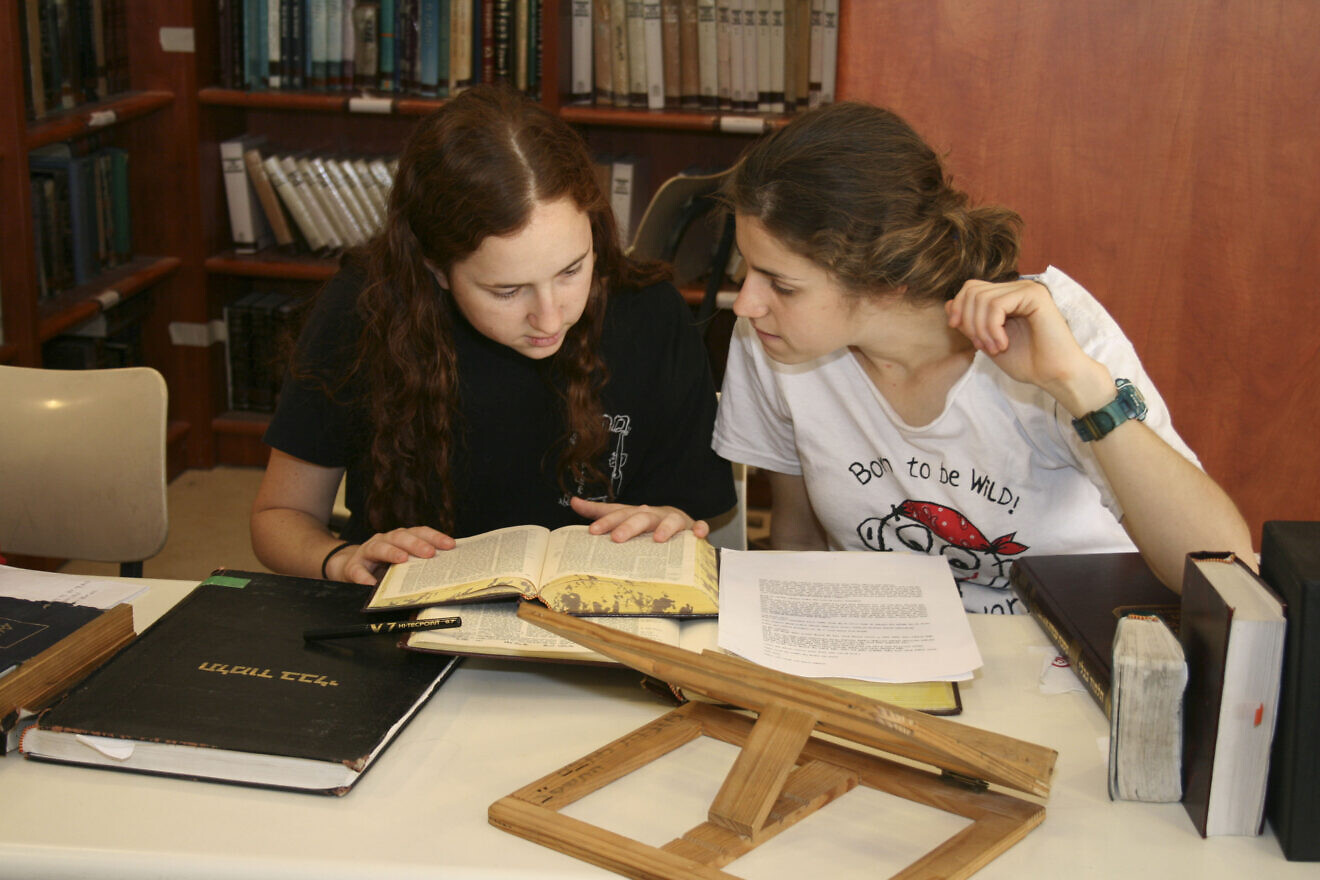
[1078, 600]
[1290, 563]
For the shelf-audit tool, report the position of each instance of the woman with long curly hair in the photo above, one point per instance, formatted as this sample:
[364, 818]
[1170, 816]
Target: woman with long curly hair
[906, 389]
[491, 359]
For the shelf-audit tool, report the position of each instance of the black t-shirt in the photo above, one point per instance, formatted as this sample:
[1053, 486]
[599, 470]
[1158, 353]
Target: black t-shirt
[659, 401]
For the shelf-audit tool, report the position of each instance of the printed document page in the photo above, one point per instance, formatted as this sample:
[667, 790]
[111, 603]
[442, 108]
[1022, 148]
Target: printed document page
[886, 617]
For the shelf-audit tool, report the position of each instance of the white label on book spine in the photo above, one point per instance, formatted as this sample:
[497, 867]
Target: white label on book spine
[177, 39]
[742, 124]
[108, 298]
[370, 104]
[99, 118]
[195, 335]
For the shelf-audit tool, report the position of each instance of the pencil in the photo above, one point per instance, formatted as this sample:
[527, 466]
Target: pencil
[391, 626]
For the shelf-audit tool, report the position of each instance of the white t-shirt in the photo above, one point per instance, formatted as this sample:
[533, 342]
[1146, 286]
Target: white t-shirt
[999, 474]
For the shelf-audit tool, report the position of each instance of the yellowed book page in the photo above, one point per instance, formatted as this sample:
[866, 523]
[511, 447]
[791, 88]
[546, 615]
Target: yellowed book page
[505, 562]
[494, 628]
[591, 574]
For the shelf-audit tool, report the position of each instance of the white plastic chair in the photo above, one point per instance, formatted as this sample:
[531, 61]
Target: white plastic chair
[82, 464]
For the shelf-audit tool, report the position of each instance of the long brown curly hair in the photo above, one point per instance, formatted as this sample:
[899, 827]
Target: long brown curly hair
[853, 188]
[474, 168]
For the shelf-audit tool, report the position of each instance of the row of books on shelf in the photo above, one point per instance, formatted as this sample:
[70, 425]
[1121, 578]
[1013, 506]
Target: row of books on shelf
[74, 51]
[429, 48]
[302, 201]
[1211, 695]
[755, 56]
[260, 328]
[80, 213]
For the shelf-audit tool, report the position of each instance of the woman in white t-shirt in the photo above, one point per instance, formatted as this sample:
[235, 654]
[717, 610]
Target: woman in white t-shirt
[907, 389]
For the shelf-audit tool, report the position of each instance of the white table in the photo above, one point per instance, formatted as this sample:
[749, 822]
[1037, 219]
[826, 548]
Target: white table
[493, 727]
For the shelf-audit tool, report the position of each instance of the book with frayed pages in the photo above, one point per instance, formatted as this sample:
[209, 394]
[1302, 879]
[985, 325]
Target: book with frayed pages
[1145, 722]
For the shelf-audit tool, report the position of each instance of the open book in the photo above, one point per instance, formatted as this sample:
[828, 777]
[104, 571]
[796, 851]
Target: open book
[570, 569]
[493, 629]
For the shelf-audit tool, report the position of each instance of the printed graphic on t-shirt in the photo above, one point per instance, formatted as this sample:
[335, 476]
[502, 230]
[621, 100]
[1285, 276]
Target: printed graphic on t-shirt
[620, 426]
[937, 530]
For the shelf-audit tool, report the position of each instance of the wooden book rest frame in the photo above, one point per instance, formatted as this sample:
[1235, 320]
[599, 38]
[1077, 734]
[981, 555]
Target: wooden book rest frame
[783, 772]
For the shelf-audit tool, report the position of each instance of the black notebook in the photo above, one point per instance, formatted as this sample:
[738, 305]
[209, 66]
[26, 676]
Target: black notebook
[223, 687]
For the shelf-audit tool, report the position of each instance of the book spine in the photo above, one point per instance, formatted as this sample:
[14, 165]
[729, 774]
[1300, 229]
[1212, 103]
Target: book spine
[671, 54]
[318, 182]
[32, 54]
[361, 222]
[334, 45]
[829, 52]
[429, 48]
[123, 222]
[764, 57]
[270, 204]
[1093, 672]
[486, 41]
[237, 319]
[654, 53]
[372, 219]
[274, 47]
[621, 72]
[622, 192]
[385, 57]
[690, 55]
[378, 195]
[723, 61]
[817, 48]
[366, 62]
[244, 217]
[305, 187]
[601, 52]
[460, 46]
[580, 73]
[292, 200]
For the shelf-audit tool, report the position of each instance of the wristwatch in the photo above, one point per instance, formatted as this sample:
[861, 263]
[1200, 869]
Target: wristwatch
[1128, 404]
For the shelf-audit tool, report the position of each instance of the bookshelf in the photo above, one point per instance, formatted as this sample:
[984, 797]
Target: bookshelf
[173, 119]
[367, 122]
[149, 119]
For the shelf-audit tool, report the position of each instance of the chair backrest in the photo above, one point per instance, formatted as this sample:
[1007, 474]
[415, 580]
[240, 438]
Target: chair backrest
[82, 463]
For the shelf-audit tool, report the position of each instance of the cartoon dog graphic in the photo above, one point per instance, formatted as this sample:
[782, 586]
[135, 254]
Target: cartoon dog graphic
[933, 529]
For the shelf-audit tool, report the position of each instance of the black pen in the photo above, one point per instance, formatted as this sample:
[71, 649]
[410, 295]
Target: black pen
[391, 626]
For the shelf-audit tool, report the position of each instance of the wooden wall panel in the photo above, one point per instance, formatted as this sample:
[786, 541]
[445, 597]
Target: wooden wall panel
[1164, 154]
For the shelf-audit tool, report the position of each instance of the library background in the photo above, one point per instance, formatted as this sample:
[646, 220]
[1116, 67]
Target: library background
[179, 176]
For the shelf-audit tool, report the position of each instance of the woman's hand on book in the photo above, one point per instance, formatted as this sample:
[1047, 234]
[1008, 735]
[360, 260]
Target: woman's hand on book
[624, 521]
[364, 563]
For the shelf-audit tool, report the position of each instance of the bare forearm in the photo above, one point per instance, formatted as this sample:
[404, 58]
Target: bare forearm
[291, 541]
[1170, 506]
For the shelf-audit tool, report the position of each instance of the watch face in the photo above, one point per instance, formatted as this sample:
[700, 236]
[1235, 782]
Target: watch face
[1133, 404]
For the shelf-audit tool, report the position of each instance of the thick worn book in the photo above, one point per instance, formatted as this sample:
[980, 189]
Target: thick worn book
[569, 569]
[1145, 719]
[493, 629]
[223, 687]
[1290, 563]
[1078, 600]
[1232, 631]
[47, 647]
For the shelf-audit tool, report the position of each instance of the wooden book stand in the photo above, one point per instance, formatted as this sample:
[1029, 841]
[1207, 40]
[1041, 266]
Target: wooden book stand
[783, 772]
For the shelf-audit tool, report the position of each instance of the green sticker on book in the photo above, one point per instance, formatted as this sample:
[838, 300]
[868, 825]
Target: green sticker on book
[221, 580]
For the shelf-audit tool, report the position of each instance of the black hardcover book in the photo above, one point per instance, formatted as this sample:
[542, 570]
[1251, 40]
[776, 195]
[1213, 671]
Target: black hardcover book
[1290, 563]
[223, 687]
[46, 647]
